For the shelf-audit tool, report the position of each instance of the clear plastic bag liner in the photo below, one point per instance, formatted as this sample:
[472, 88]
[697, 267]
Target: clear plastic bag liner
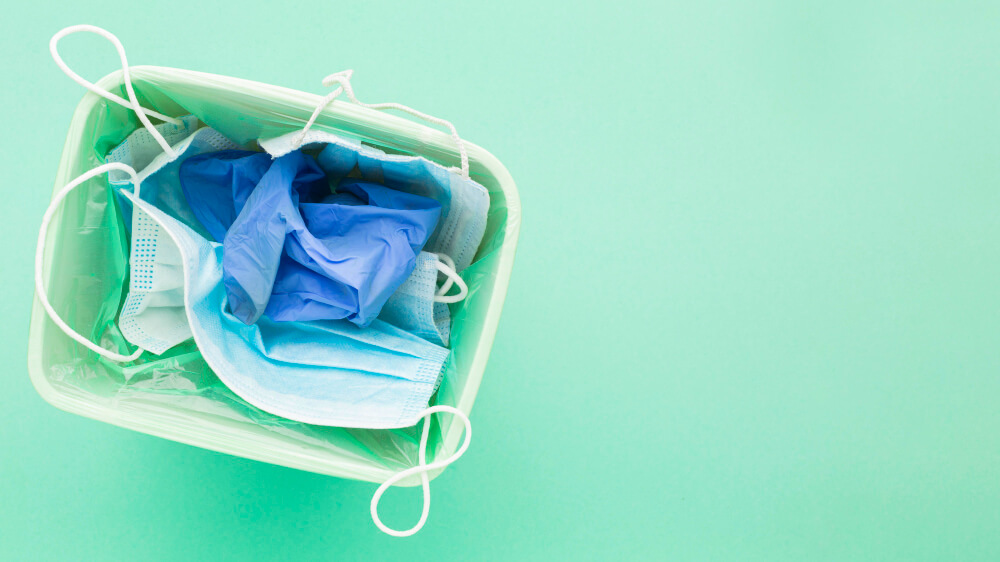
[88, 256]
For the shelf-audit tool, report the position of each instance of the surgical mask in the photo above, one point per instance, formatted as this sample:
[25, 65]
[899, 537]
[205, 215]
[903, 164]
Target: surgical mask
[153, 315]
[419, 306]
[140, 148]
[159, 176]
[318, 372]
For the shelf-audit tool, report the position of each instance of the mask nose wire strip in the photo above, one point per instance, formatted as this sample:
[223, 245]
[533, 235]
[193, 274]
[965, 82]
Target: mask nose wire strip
[447, 266]
[344, 79]
[39, 260]
[423, 468]
[132, 102]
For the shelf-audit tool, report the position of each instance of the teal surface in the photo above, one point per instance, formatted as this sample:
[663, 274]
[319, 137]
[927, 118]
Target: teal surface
[754, 312]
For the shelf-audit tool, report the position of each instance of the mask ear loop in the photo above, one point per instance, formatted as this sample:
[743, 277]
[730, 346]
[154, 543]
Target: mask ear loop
[39, 260]
[132, 102]
[344, 79]
[447, 266]
[423, 468]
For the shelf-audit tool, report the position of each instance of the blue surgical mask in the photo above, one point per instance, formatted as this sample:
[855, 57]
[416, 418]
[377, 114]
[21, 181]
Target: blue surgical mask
[419, 305]
[320, 372]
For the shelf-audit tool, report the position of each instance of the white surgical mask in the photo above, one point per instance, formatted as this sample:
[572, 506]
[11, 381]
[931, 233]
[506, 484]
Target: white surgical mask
[153, 316]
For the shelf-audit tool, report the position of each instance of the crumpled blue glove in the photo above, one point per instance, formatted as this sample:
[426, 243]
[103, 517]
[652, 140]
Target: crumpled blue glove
[295, 250]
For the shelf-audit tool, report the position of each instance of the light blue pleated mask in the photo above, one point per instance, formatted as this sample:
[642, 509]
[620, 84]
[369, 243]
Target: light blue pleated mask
[319, 372]
[153, 315]
[419, 305]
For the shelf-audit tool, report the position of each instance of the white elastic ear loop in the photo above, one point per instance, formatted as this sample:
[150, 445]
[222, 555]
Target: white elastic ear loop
[132, 102]
[344, 79]
[449, 280]
[447, 266]
[40, 285]
[327, 100]
[422, 469]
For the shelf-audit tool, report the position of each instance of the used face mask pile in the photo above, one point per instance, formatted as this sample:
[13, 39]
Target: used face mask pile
[279, 272]
[313, 272]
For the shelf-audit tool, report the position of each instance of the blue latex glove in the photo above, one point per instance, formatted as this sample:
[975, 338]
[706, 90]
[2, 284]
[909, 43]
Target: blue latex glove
[295, 251]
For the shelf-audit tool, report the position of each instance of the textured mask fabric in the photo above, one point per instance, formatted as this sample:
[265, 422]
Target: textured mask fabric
[464, 203]
[442, 319]
[412, 306]
[159, 170]
[153, 316]
[320, 372]
[140, 148]
[295, 250]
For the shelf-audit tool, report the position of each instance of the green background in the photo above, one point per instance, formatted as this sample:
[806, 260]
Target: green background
[753, 316]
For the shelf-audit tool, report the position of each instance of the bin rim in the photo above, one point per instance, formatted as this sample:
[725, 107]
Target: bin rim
[438, 142]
